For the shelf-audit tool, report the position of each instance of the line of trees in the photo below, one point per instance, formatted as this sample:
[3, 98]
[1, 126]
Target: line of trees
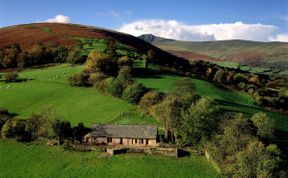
[110, 75]
[12, 56]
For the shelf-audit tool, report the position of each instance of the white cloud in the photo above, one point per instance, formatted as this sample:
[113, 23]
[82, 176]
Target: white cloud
[280, 37]
[181, 31]
[59, 19]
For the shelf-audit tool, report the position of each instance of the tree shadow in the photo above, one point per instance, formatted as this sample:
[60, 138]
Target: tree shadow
[18, 80]
[146, 73]
[229, 103]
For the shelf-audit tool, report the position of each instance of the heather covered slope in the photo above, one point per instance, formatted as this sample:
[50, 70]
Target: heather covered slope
[69, 35]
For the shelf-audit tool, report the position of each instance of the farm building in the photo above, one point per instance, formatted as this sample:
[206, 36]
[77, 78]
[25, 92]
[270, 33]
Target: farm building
[126, 135]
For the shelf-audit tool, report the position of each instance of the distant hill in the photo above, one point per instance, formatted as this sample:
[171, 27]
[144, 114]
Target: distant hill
[74, 35]
[265, 54]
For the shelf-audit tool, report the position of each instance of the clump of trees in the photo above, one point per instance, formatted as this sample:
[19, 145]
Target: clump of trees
[240, 147]
[45, 124]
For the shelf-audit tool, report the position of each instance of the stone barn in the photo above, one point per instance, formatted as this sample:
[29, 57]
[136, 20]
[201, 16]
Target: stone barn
[126, 135]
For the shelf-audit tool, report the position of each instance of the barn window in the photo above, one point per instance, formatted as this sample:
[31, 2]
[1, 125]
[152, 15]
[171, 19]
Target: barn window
[146, 141]
[135, 140]
[141, 141]
[121, 141]
[109, 140]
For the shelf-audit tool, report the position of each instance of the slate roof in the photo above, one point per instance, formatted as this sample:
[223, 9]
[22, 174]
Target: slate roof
[124, 131]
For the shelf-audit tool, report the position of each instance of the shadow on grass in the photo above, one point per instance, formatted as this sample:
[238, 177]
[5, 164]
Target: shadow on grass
[229, 103]
[18, 80]
[146, 73]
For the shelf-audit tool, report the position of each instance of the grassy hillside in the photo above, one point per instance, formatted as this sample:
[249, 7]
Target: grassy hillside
[230, 100]
[43, 161]
[49, 88]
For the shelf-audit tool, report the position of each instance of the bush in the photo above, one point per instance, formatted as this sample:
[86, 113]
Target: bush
[16, 128]
[60, 54]
[10, 77]
[134, 92]
[114, 87]
[125, 61]
[98, 81]
[80, 79]
[8, 130]
[124, 74]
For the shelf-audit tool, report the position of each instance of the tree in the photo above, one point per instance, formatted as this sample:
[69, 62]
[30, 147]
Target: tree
[75, 57]
[198, 122]
[186, 92]
[111, 49]
[60, 54]
[124, 75]
[236, 134]
[134, 92]
[9, 55]
[23, 60]
[169, 113]
[125, 61]
[99, 62]
[150, 99]
[10, 77]
[219, 76]
[79, 131]
[62, 130]
[114, 87]
[79, 79]
[257, 161]
[98, 80]
[41, 124]
[265, 126]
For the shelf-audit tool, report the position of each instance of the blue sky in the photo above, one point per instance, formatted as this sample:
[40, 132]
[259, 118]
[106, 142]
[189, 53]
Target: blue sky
[185, 20]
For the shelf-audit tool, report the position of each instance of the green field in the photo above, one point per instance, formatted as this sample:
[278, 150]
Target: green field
[49, 89]
[230, 100]
[38, 160]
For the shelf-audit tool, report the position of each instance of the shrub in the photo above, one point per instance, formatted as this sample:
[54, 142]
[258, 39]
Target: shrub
[124, 74]
[114, 87]
[219, 76]
[134, 92]
[10, 77]
[60, 54]
[80, 79]
[8, 130]
[16, 128]
[125, 61]
[98, 81]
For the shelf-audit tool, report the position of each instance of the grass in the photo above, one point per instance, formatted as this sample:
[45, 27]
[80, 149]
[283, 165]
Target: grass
[89, 44]
[49, 88]
[47, 30]
[38, 160]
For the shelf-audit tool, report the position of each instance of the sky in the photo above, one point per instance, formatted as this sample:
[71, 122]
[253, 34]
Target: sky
[190, 20]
